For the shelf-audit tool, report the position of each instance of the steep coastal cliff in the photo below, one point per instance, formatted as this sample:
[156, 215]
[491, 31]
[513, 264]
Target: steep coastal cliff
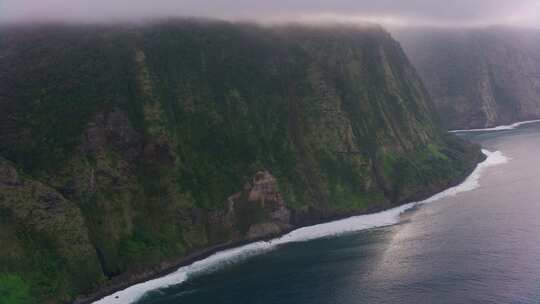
[124, 149]
[478, 77]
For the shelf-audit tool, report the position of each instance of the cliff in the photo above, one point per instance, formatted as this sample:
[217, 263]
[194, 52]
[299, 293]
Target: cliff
[126, 148]
[478, 77]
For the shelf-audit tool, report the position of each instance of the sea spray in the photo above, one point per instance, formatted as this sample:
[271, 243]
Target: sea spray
[352, 224]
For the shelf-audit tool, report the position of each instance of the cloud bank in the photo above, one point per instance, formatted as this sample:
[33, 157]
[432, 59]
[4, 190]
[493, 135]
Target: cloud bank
[453, 13]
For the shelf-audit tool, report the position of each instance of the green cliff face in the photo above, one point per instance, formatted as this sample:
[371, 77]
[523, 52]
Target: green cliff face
[125, 148]
[479, 77]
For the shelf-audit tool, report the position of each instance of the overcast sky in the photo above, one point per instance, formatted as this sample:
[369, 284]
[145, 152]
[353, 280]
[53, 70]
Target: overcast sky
[388, 12]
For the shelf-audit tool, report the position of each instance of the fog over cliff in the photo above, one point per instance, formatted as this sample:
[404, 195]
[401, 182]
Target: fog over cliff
[388, 12]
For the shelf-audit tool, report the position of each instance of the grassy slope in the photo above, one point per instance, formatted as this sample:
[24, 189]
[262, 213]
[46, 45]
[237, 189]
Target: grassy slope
[142, 133]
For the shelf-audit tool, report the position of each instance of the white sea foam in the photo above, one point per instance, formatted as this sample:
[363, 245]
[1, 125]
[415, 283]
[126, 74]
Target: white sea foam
[499, 128]
[352, 224]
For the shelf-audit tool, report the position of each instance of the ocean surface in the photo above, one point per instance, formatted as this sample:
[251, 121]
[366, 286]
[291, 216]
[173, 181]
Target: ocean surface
[476, 243]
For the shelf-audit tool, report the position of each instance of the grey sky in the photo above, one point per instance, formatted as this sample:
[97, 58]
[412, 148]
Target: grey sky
[389, 12]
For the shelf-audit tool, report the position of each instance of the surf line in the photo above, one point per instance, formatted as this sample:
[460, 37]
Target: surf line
[499, 128]
[353, 224]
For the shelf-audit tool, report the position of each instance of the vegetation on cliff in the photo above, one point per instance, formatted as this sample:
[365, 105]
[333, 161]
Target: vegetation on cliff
[123, 147]
[478, 77]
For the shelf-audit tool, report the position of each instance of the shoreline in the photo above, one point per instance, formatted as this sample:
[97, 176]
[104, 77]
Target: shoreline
[512, 126]
[169, 267]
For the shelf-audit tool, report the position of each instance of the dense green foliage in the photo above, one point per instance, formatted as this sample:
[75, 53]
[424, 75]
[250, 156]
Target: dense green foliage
[148, 131]
[13, 290]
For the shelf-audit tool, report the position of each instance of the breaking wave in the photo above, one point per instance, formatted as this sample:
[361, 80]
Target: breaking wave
[499, 128]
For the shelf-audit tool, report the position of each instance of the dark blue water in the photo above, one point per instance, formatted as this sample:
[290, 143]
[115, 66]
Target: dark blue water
[481, 246]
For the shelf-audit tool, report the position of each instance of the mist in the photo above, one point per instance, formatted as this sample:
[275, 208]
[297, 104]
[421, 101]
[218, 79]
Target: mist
[458, 13]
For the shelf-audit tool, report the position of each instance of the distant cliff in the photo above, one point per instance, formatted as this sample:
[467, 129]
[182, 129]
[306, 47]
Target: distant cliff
[126, 149]
[478, 77]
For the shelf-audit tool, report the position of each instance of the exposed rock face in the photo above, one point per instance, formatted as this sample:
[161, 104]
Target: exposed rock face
[258, 211]
[480, 77]
[261, 230]
[264, 191]
[144, 145]
[112, 129]
[264, 188]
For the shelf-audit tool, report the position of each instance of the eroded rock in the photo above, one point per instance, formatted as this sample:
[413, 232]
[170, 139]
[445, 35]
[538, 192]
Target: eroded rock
[262, 230]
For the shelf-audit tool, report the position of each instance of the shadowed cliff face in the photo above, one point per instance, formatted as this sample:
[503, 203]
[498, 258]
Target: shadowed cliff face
[478, 78]
[165, 139]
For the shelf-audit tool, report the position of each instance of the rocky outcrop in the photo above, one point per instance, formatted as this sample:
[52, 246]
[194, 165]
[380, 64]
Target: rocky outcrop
[263, 192]
[478, 77]
[261, 230]
[258, 211]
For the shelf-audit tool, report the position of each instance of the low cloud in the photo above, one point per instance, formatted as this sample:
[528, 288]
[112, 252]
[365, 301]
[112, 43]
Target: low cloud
[389, 12]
